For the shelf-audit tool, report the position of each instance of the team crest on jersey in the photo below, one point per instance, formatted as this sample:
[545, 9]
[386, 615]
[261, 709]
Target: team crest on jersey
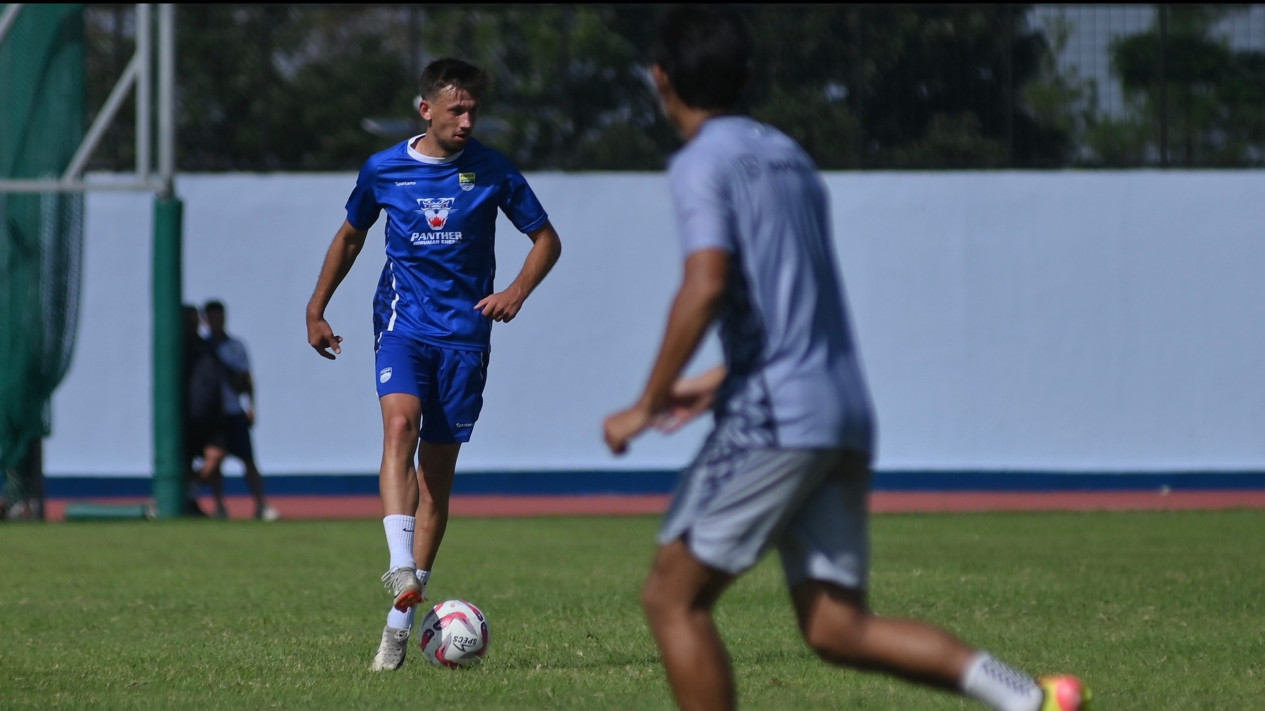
[436, 211]
[466, 181]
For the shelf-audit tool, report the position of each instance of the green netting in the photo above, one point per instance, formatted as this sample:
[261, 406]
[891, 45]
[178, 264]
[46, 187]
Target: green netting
[41, 236]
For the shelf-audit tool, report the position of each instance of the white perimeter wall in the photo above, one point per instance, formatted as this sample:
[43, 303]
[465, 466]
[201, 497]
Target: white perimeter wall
[1073, 321]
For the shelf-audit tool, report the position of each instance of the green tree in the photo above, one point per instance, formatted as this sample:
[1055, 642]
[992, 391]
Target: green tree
[571, 90]
[320, 87]
[932, 86]
[1210, 98]
[263, 87]
[285, 87]
[1062, 98]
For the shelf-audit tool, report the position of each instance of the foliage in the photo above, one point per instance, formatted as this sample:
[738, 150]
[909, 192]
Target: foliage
[571, 91]
[289, 92]
[1065, 100]
[320, 87]
[930, 86]
[1210, 97]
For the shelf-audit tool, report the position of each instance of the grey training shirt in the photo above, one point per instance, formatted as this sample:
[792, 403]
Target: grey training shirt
[795, 379]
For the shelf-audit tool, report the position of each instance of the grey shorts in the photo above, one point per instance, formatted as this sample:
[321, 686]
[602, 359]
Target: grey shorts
[733, 504]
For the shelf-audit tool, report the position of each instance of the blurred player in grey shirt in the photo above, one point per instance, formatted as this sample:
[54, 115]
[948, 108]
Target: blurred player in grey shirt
[787, 465]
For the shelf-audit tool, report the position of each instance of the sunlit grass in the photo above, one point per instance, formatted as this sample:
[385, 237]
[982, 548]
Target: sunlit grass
[1156, 610]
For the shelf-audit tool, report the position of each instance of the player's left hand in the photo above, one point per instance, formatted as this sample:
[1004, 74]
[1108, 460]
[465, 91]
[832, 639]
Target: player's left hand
[501, 306]
[621, 427]
[689, 398]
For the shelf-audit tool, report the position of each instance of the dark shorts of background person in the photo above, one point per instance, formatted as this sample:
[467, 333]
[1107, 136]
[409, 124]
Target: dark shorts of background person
[233, 436]
[200, 435]
[448, 381]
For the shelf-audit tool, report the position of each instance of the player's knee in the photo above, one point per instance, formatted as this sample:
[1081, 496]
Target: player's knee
[399, 429]
[661, 600]
[654, 600]
[834, 625]
[833, 643]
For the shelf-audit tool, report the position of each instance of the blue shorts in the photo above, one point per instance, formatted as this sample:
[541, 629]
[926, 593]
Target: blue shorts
[448, 381]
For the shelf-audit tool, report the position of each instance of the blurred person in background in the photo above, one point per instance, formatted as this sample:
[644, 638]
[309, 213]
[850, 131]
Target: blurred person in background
[203, 378]
[787, 465]
[432, 313]
[238, 398]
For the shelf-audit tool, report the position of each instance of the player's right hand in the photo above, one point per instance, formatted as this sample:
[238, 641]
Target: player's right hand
[321, 337]
[620, 428]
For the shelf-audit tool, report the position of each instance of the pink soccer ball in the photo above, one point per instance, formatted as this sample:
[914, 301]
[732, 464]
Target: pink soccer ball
[454, 634]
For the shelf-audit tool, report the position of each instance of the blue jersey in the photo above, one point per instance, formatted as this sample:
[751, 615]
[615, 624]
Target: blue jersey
[440, 237]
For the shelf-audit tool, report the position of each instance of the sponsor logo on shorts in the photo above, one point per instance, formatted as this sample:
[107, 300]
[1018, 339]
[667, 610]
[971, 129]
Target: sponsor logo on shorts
[384, 375]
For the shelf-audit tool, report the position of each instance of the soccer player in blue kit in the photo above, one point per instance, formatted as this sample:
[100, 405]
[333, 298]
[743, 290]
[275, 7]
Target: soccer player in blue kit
[432, 313]
[787, 464]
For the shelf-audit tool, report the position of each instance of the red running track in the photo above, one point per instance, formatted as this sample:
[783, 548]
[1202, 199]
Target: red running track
[345, 507]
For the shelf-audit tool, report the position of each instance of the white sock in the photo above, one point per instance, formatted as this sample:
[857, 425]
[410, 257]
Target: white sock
[404, 620]
[399, 530]
[1000, 686]
[400, 620]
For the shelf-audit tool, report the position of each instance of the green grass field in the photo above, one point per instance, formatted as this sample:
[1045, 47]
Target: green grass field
[1155, 610]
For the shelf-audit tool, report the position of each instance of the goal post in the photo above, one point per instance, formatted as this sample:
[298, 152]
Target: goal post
[171, 465]
[42, 190]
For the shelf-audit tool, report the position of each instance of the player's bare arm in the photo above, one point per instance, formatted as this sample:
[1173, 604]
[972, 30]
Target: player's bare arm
[689, 398]
[344, 248]
[693, 309]
[248, 389]
[545, 250]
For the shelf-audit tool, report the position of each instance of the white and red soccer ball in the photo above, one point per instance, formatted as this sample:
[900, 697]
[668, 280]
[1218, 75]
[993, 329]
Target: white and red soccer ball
[454, 634]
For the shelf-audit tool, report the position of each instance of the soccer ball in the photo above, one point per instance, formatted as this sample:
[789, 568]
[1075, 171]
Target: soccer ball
[454, 634]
